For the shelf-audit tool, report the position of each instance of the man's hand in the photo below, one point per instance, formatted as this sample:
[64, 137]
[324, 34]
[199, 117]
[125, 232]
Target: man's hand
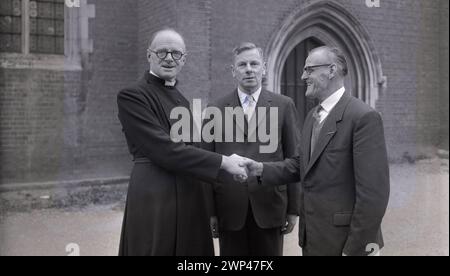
[254, 168]
[235, 166]
[290, 224]
[214, 224]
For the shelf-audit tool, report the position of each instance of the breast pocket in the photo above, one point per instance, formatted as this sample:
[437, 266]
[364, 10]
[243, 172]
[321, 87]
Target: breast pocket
[331, 149]
[342, 219]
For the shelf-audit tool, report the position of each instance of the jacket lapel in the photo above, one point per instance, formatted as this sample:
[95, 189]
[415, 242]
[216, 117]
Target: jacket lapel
[328, 131]
[306, 141]
[233, 102]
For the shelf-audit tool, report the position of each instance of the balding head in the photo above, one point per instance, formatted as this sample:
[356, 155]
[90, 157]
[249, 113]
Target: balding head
[331, 55]
[164, 34]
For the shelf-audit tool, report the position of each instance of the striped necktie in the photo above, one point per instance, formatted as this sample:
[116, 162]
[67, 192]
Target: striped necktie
[317, 126]
[249, 108]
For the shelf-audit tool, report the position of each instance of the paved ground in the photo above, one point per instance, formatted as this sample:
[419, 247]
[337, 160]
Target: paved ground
[417, 221]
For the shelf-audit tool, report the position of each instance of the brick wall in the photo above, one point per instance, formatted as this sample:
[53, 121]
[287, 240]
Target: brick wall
[112, 65]
[31, 116]
[57, 125]
[406, 35]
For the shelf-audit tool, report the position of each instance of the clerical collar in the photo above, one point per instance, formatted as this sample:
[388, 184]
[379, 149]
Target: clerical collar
[166, 82]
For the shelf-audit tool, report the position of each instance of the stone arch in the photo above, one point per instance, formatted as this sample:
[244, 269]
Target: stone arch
[333, 25]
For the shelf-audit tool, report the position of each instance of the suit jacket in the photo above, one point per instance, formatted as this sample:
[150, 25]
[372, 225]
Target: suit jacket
[270, 205]
[345, 184]
[166, 212]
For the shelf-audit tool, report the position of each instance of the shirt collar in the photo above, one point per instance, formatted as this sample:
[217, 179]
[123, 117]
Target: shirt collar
[166, 83]
[332, 100]
[243, 96]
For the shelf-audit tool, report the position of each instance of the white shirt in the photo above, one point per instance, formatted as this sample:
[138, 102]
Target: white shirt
[243, 96]
[247, 105]
[330, 103]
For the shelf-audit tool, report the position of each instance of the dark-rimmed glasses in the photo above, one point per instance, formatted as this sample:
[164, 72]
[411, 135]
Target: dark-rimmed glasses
[162, 54]
[309, 69]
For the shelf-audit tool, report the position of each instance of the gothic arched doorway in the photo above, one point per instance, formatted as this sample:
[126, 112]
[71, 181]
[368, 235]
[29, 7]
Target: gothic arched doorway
[322, 23]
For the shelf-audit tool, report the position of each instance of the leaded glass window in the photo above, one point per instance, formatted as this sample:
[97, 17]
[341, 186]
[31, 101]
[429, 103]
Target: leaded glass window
[11, 26]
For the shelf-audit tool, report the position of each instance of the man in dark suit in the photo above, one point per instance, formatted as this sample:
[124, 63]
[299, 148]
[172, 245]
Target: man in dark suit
[252, 222]
[343, 165]
[166, 212]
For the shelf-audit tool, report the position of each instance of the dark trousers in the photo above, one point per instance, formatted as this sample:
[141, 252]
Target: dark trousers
[251, 240]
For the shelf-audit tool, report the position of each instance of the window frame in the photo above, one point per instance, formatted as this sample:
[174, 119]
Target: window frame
[76, 42]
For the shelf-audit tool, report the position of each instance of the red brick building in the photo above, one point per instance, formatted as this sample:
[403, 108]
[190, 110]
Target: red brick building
[61, 68]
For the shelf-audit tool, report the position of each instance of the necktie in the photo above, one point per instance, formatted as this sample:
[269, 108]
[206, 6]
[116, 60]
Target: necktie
[249, 109]
[317, 126]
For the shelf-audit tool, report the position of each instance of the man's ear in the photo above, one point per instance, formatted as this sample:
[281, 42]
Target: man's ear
[149, 54]
[333, 71]
[264, 68]
[233, 71]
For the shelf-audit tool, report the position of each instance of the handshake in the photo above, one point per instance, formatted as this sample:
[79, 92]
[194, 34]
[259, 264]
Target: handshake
[241, 168]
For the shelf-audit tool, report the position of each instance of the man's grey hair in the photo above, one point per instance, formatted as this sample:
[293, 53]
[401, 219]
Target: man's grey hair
[337, 56]
[246, 46]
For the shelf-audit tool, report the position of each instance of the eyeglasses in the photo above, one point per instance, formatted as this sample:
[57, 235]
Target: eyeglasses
[309, 69]
[162, 54]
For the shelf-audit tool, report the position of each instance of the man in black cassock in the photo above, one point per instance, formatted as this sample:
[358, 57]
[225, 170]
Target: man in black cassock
[166, 213]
